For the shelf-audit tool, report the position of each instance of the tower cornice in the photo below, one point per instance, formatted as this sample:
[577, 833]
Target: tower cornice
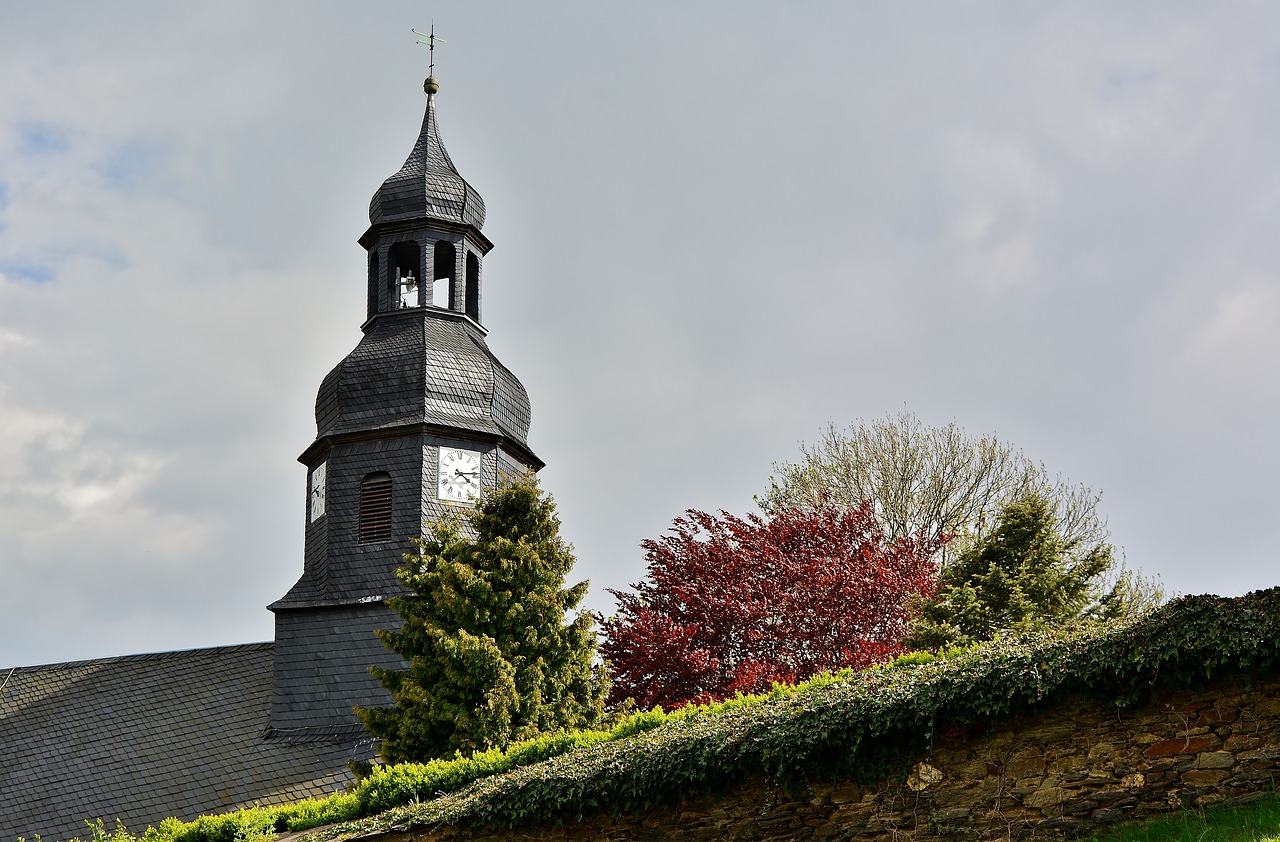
[515, 448]
[429, 311]
[405, 226]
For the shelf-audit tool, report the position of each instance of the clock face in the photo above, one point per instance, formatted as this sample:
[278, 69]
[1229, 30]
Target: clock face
[317, 491]
[459, 478]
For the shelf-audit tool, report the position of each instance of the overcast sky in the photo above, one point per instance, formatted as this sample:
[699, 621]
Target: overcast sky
[718, 227]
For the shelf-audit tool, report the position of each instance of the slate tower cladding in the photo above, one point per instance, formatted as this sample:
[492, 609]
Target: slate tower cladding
[415, 419]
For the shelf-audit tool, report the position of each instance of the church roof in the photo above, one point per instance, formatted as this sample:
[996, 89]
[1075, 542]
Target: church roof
[144, 737]
[428, 185]
[423, 366]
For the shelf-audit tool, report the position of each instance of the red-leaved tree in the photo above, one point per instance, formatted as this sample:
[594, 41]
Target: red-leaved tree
[735, 604]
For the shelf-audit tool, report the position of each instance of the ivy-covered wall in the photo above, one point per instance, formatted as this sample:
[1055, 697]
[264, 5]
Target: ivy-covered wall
[1060, 772]
[1040, 733]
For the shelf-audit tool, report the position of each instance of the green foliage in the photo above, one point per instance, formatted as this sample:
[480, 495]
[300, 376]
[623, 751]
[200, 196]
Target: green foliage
[382, 788]
[252, 823]
[491, 657]
[1022, 575]
[99, 833]
[864, 725]
[911, 659]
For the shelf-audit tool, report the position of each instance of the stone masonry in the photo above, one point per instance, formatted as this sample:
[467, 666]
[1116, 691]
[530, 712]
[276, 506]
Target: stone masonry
[1059, 773]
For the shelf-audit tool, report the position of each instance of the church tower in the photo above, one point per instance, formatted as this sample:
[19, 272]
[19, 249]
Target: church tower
[416, 419]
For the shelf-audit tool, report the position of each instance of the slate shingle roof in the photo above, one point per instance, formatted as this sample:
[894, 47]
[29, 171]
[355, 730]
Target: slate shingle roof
[428, 185]
[143, 737]
[418, 366]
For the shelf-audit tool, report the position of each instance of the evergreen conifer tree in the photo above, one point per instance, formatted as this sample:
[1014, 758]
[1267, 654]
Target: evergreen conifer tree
[491, 654]
[1024, 574]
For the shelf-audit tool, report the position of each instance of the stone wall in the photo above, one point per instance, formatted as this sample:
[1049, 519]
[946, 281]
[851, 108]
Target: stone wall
[1061, 772]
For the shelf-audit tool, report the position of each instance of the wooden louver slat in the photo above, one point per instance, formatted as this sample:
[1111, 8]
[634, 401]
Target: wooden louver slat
[375, 508]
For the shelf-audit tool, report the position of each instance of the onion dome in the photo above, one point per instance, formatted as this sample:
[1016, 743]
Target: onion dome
[428, 186]
[434, 370]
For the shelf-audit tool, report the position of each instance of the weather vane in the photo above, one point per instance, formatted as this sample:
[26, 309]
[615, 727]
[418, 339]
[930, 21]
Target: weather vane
[430, 40]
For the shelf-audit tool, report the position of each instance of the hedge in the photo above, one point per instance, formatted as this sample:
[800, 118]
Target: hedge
[862, 725]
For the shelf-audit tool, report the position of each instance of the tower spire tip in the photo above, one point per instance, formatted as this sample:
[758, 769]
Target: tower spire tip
[432, 84]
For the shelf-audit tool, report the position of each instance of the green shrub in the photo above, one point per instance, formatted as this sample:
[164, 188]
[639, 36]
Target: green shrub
[861, 725]
[866, 724]
[494, 647]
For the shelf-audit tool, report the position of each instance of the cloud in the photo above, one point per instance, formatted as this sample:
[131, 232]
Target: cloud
[1150, 85]
[1001, 218]
[1000, 191]
[144, 375]
[58, 484]
[1218, 348]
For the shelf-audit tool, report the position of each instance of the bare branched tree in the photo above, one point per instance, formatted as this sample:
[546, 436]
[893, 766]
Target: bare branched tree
[939, 481]
[935, 480]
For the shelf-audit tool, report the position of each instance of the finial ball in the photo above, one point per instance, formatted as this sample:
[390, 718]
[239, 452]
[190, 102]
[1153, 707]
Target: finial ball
[432, 85]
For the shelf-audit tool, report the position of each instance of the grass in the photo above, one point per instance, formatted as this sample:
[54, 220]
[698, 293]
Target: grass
[1256, 822]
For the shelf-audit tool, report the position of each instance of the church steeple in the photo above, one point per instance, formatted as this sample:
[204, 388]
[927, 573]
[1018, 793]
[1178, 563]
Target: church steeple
[424, 241]
[414, 421]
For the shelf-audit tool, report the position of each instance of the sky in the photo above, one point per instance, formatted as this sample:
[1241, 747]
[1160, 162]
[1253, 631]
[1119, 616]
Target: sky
[719, 228]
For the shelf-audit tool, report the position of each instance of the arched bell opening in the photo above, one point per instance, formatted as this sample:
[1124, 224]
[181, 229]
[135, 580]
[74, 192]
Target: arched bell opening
[373, 283]
[473, 286]
[404, 274]
[444, 265]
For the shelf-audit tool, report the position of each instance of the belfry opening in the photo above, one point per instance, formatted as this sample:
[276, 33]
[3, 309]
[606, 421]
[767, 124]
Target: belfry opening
[443, 268]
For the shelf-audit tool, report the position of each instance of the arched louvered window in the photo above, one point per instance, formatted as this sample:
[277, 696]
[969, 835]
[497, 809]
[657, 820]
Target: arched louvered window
[375, 508]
